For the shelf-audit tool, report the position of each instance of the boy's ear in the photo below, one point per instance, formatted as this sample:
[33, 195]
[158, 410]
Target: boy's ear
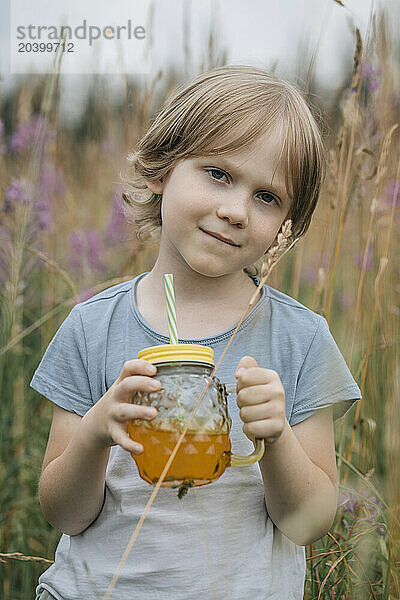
[155, 185]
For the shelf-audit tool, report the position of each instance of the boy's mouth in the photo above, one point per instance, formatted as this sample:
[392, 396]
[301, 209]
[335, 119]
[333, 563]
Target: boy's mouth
[220, 237]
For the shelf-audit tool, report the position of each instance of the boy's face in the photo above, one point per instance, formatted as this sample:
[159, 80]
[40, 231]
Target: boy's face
[231, 195]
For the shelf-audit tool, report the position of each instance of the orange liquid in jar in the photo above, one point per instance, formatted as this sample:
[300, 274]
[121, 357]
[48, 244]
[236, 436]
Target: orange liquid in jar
[201, 457]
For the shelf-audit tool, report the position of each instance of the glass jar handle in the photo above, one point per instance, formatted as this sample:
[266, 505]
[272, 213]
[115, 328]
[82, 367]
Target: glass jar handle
[259, 444]
[240, 461]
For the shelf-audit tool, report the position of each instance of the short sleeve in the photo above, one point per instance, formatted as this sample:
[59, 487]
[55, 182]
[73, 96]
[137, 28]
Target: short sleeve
[324, 379]
[62, 374]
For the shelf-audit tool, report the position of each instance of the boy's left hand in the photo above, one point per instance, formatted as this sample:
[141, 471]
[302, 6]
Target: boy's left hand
[261, 399]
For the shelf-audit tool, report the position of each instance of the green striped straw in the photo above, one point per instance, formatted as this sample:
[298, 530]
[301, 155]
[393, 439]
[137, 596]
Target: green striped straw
[169, 293]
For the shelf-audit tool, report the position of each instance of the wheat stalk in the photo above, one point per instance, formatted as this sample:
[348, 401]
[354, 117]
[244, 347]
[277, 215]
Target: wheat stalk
[277, 251]
[24, 557]
[57, 267]
[381, 170]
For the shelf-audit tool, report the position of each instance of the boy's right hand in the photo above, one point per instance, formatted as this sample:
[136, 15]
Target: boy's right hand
[107, 420]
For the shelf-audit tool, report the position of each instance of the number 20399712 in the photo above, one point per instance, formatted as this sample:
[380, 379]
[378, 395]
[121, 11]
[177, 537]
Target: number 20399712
[45, 47]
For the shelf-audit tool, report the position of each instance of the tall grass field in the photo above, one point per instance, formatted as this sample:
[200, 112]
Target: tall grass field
[64, 238]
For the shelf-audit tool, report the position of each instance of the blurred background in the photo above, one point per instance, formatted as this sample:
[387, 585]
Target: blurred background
[64, 139]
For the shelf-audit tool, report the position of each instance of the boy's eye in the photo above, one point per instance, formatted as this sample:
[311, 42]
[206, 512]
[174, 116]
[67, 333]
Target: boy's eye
[268, 198]
[217, 174]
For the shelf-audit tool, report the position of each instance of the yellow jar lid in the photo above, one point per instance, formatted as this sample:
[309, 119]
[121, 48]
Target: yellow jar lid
[178, 352]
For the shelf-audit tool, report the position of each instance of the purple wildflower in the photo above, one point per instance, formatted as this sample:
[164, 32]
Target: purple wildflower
[93, 249]
[77, 248]
[371, 517]
[385, 204]
[348, 500]
[85, 250]
[27, 132]
[6, 246]
[51, 183]
[370, 75]
[44, 215]
[359, 257]
[115, 225]
[17, 193]
[85, 294]
[2, 148]
[76, 243]
[371, 500]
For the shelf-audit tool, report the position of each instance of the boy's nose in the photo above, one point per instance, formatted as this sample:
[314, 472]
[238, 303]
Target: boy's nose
[235, 213]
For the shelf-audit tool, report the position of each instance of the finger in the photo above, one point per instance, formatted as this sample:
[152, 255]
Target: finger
[266, 429]
[124, 411]
[257, 430]
[137, 383]
[137, 366]
[255, 376]
[257, 412]
[247, 362]
[121, 437]
[255, 394]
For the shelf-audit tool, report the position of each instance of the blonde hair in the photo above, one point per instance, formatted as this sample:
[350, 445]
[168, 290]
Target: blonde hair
[202, 117]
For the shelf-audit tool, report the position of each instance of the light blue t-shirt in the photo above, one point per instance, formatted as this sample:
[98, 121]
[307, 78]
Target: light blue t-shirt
[218, 541]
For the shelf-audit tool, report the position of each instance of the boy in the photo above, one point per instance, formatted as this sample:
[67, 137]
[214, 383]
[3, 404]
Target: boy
[227, 161]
